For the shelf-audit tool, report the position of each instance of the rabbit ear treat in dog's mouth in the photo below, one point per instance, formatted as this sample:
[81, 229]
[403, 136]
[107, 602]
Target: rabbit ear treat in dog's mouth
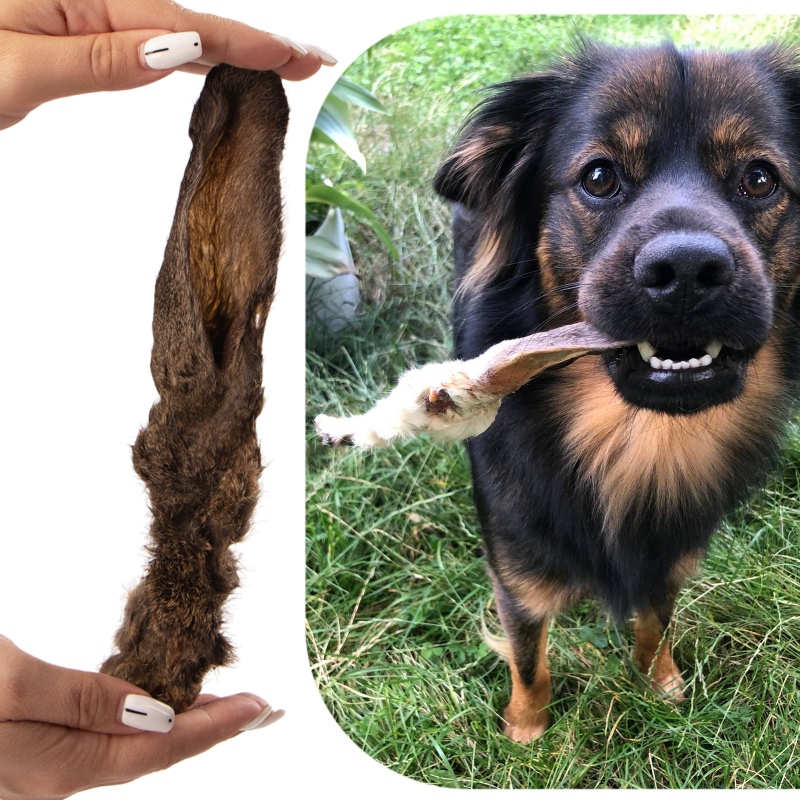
[199, 454]
[458, 399]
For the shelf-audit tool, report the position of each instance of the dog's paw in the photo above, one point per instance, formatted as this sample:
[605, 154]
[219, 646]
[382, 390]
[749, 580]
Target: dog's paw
[668, 682]
[528, 729]
[664, 678]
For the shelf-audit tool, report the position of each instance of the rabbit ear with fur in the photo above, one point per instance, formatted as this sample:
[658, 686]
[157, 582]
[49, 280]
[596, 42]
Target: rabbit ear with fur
[199, 454]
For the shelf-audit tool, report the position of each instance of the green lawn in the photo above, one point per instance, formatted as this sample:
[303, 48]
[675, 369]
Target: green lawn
[397, 593]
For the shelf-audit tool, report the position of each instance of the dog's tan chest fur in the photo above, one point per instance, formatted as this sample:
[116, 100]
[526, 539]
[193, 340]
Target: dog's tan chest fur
[633, 455]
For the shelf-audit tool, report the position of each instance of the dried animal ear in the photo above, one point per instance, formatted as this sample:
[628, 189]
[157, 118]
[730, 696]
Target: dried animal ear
[199, 454]
[515, 120]
[232, 260]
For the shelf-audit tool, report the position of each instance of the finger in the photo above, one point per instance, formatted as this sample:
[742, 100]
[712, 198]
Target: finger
[231, 42]
[35, 69]
[204, 699]
[195, 731]
[297, 69]
[95, 759]
[35, 691]
[224, 40]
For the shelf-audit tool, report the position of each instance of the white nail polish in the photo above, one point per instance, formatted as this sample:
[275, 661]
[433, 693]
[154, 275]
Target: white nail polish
[324, 56]
[296, 48]
[147, 714]
[172, 50]
[266, 717]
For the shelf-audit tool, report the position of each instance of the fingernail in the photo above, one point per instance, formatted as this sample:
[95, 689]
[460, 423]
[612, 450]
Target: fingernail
[172, 50]
[266, 717]
[323, 55]
[328, 59]
[296, 48]
[147, 714]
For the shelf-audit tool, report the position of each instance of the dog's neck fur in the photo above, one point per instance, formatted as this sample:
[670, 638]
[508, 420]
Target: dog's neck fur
[640, 460]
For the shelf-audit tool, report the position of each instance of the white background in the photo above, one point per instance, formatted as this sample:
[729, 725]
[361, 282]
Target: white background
[87, 193]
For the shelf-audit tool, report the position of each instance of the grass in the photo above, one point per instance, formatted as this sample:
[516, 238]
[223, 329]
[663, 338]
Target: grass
[397, 592]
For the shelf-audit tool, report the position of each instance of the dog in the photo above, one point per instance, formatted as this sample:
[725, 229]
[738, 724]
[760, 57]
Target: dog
[653, 193]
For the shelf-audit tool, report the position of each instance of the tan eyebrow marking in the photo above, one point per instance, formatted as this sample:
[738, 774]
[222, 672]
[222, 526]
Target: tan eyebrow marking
[733, 138]
[627, 143]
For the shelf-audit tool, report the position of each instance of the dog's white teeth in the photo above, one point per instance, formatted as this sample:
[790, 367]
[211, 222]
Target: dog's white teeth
[668, 363]
[713, 349]
[646, 350]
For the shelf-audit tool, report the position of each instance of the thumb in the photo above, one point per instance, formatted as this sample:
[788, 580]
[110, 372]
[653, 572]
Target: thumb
[36, 691]
[36, 68]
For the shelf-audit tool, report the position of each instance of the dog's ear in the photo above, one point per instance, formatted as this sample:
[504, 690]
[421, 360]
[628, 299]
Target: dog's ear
[784, 62]
[513, 123]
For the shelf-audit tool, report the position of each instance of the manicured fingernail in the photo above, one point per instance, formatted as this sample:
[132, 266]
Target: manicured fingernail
[323, 55]
[172, 50]
[266, 717]
[147, 714]
[273, 717]
[296, 48]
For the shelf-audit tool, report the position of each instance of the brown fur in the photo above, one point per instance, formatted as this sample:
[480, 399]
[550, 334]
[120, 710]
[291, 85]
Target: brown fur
[653, 657]
[526, 716]
[626, 451]
[487, 258]
[199, 455]
[541, 597]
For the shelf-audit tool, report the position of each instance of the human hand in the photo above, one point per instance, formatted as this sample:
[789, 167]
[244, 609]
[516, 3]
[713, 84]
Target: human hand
[60, 47]
[61, 729]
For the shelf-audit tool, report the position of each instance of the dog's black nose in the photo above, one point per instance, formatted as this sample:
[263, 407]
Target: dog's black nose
[684, 271]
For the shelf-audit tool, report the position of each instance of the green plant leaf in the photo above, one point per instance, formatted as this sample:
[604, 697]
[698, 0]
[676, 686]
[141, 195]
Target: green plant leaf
[350, 92]
[333, 121]
[327, 195]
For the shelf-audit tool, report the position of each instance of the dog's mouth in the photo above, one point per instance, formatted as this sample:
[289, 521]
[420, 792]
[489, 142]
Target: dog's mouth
[678, 379]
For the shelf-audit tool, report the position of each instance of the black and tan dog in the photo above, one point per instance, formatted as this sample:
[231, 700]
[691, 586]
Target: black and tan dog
[653, 193]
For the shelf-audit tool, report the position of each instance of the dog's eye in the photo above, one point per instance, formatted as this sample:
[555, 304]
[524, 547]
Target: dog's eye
[600, 180]
[758, 181]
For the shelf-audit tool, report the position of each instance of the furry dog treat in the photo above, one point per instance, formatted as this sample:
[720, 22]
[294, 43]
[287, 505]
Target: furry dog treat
[457, 399]
[199, 455]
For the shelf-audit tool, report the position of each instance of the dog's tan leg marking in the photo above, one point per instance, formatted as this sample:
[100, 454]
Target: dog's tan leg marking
[525, 605]
[653, 656]
[652, 652]
[526, 716]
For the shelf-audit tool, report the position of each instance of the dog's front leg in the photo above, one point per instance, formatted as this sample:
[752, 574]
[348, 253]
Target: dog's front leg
[652, 651]
[526, 717]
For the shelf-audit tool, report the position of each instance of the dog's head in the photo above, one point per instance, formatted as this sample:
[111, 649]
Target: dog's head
[657, 193]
